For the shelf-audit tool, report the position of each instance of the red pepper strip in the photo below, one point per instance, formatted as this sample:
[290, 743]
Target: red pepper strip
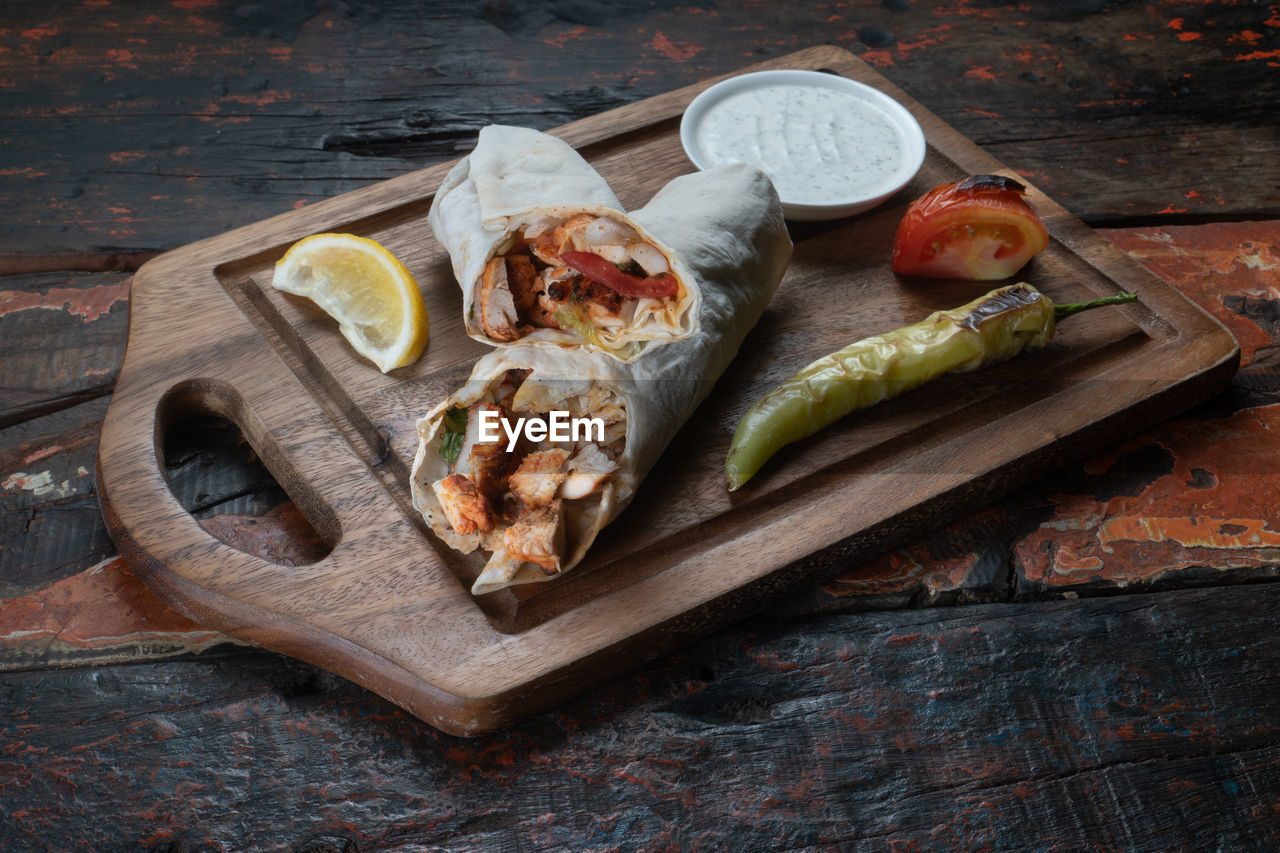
[619, 281]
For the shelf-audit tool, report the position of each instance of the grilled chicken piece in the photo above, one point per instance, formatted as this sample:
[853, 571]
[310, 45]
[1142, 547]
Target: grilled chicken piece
[465, 508]
[613, 415]
[510, 385]
[529, 290]
[601, 301]
[495, 306]
[614, 430]
[538, 538]
[512, 508]
[570, 234]
[588, 471]
[555, 286]
[522, 281]
[543, 247]
[535, 482]
[487, 465]
[548, 245]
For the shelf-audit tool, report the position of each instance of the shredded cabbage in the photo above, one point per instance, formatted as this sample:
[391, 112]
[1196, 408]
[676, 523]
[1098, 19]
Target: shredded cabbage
[574, 316]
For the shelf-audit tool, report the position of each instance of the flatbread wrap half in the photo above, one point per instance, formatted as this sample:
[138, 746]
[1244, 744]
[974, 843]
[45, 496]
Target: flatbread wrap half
[544, 252]
[536, 506]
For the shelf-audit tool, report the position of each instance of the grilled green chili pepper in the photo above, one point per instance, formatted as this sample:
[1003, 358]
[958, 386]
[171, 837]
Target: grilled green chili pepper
[990, 329]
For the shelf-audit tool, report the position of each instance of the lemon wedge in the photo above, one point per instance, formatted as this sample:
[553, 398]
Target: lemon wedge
[357, 282]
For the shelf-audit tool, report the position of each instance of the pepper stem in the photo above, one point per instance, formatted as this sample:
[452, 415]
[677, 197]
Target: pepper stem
[1066, 309]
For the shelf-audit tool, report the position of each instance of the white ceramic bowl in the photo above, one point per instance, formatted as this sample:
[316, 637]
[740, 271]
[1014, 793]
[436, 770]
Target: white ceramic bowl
[833, 147]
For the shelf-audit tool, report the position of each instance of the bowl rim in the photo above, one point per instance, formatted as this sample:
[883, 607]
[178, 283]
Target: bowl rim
[915, 152]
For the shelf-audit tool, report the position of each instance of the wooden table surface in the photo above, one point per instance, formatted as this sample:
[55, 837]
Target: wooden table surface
[1092, 663]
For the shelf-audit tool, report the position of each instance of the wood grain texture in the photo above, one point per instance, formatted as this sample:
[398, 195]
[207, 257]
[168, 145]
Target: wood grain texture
[1093, 725]
[1187, 502]
[64, 339]
[147, 126]
[297, 392]
[50, 523]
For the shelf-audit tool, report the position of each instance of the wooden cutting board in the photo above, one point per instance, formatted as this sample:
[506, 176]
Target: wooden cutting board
[389, 606]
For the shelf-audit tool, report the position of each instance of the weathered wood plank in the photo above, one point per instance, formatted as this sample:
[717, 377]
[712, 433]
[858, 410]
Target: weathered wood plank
[213, 471]
[146, 126]
[1194, 500]
[995, 727]
[62, 338]
[50, 524]
[65, 598]
[102, 615]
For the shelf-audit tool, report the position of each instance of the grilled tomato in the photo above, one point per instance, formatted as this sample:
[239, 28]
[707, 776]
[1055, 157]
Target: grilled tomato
[981, 228]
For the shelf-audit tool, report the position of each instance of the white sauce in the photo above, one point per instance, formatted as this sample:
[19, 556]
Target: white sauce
[818, 145]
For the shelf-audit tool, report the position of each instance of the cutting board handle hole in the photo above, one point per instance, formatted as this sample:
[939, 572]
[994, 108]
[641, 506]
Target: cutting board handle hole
[217, 474]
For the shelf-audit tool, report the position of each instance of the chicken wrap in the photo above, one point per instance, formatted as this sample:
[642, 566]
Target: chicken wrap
[543, 251]
[535, 501]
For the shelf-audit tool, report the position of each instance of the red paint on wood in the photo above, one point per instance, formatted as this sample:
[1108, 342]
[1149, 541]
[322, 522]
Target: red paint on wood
[105, 608]
[1211, 512]
[102, 607]
[671, 50]
[877, 58]
[1246, 36]
[1260, 54]
[87, 303]
[1208, 263]
[906, 570]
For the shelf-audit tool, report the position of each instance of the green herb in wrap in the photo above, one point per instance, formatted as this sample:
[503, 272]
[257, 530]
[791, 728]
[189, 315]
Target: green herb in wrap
[990, 329]
[455, 427]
